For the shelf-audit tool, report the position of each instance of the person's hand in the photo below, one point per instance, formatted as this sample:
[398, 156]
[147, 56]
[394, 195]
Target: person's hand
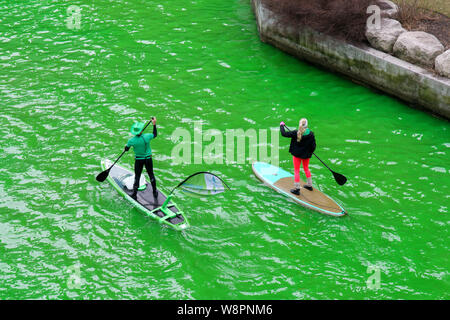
[154, 120]
[282, 123]
[127, 148]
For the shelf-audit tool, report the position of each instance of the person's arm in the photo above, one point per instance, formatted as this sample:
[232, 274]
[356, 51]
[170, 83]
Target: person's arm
[313, 145]
[128, 145]
[284, 133]
[155, 132]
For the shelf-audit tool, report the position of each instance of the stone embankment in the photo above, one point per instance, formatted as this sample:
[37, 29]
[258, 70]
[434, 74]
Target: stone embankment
[409, 65]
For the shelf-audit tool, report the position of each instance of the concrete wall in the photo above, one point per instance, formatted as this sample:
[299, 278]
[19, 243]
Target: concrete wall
[375, 68]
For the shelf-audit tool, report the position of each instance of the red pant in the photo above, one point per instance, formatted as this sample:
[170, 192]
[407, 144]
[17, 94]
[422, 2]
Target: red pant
[297, 162]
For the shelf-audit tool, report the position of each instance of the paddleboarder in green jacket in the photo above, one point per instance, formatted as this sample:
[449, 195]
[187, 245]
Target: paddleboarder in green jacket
[143, 152]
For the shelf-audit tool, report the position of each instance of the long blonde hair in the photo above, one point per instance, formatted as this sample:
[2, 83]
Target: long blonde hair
[302, 126]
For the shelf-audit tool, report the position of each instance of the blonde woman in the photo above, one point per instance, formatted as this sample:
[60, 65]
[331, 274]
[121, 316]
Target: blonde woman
[303, 144]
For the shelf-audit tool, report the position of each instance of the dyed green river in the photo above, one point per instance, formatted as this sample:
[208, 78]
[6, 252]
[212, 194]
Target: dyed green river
[69, 96]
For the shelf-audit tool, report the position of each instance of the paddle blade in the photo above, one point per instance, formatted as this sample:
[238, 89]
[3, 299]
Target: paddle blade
[203, 183]
[103, 175]
[340, 179]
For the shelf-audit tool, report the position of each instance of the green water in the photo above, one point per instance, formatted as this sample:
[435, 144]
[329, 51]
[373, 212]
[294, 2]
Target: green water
[68, 98]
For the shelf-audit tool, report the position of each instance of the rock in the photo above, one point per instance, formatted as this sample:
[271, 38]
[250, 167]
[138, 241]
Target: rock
[442, 64]
[393, 10]
[384, 38]
[418, 47]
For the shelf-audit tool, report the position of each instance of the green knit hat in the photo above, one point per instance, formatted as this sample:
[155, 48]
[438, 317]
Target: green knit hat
[137, 127]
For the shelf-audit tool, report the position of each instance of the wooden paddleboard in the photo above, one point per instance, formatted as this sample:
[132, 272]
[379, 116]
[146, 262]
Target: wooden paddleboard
[283, 181]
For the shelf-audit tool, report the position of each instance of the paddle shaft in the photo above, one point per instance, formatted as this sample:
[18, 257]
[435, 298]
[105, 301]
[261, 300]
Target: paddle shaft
[148, 123]
[322, 162]
[123, 152]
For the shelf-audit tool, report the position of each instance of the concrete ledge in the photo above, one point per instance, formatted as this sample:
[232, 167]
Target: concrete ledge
[399, 78]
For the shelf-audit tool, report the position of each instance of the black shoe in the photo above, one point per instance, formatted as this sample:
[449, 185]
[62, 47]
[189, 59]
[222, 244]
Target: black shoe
[295, 191]
[134, 197]
[308, 187]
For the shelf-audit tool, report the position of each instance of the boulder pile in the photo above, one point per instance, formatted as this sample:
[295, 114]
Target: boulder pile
[416, 47]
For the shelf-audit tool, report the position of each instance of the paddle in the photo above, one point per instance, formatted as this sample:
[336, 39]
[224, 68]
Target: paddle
[340, 179]
[103, 175]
